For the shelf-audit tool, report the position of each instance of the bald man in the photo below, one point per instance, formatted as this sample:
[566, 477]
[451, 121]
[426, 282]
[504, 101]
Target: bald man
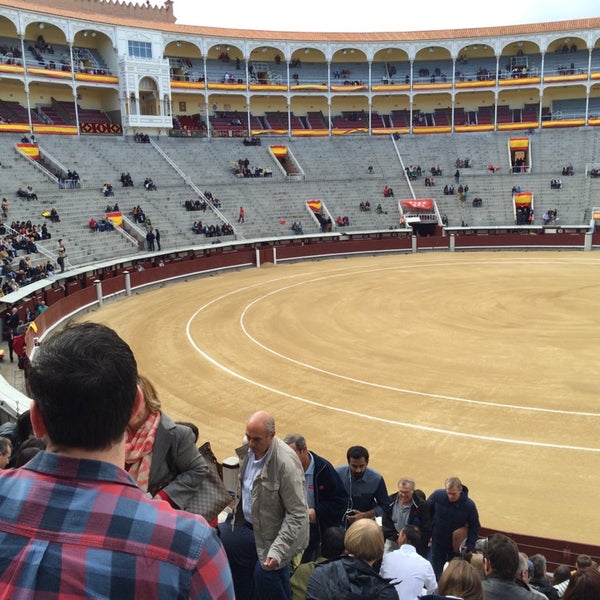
[270, 519]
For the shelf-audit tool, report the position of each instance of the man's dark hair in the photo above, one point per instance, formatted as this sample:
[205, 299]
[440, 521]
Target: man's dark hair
[83, 379]
[412, 534]
[357, 452]
[332, 543]
[503, 555]
[24, 428]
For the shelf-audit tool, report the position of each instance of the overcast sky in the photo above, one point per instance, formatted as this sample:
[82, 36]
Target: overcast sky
[375, 15]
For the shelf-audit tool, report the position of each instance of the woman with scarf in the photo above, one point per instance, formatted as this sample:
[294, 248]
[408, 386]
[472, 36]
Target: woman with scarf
[160, 455]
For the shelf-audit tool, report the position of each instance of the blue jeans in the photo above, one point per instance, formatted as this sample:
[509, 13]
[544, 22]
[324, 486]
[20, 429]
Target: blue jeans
[240, 548]
[272, 585]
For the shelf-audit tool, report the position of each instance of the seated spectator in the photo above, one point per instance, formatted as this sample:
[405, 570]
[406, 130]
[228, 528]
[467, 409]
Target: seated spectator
[584, 584]
[501, 563]
[22, 193]
[149, 184]
[297, 228]
[555, 184]
[354, 572]
[560, 579]
[379, 210]
[409, 571]
[477, 201]
[4, 208]
[540, 580]
[126, 180]
[332, 547]
[594, 173]
[105, 225]
[107, 190]
[138, 214]
[370, 170]
[388, 192]
[436, 171]
[49, 268]
[568, 170]
[54, 217]
[459, 580]
[429, 181]
[93, 224]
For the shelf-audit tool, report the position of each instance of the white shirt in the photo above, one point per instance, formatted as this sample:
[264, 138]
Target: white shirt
[409, 572]
[309, 482]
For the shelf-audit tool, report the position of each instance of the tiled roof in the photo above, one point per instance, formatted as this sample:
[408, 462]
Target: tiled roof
[103, 16]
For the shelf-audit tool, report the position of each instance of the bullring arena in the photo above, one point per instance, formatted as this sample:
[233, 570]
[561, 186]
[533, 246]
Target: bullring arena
[482, 366]
[450, 334]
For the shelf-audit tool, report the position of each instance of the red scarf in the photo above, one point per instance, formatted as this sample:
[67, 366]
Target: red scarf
[138, 450]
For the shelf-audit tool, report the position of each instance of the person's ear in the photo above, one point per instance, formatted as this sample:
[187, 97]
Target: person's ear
[37, 422]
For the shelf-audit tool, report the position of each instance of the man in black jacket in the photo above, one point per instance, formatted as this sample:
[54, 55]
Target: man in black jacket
[407, 507]
[540, 581]
[325, 493]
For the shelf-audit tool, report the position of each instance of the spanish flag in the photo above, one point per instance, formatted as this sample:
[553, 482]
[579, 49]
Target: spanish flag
[314, 205]
[519, 143]
[279, 151]
[116, 218]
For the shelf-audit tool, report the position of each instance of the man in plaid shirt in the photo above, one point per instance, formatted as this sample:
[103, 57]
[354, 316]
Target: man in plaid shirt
[73, 523]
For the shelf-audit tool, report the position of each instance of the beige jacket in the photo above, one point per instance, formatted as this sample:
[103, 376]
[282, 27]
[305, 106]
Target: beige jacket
[279, 508]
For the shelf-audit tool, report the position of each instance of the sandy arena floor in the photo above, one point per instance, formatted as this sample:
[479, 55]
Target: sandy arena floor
[480, 365]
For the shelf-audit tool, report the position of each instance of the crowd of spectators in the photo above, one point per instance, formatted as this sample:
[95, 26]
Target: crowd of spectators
[138, 215]
[126, 180]
[16, 266]
[202, 203]
[101, 224]
[27, 193]
[525, 215]
[242, 169]
[149, 184]
[568, 170]
[69, 181]
[218, 230]
[550, 216]
[141, 138]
